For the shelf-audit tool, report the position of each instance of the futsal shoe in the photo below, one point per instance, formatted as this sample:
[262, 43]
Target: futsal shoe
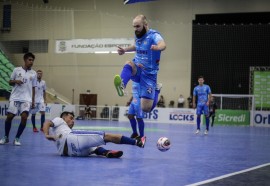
[119, 86]
[4, 140]
[35, 129]
[41, 129]
[134, 135]
[17, 142]
[205, 132]
[114, 154]
[197, 131]
[141, 141]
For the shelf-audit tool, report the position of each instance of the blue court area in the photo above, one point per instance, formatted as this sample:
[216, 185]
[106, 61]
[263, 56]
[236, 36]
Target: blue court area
[191, 159]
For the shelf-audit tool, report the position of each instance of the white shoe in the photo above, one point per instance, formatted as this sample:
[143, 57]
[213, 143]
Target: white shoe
[197, 131]
[17, 142]
[205, 132]
[4, 140]
[159, 86]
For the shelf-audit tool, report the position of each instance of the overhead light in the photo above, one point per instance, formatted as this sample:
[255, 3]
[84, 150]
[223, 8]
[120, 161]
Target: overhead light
[107, 52]
[102, 52]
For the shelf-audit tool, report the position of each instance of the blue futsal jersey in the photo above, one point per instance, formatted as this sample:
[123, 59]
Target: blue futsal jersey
[135, 106]
[146, 57]
[202, 92]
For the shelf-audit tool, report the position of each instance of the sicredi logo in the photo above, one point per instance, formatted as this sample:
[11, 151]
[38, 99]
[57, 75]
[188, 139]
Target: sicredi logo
[229, 118]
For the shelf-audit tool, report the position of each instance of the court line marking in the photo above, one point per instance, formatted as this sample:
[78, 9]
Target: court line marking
[228, 175]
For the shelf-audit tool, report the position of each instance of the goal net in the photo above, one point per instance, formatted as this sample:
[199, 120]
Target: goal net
[235, 108]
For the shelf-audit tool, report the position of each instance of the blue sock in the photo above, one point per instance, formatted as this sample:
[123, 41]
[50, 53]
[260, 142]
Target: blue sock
[133, 124]
[155, 99]
[42, 120]
[20, 129]
[198, 121]
[33, 119]
[141, 127]
[126, 74]
[100, 151]
[207, 123]
[7, 128]
[127, 140]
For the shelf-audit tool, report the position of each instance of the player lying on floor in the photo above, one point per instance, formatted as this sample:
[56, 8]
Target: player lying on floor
[81, 142]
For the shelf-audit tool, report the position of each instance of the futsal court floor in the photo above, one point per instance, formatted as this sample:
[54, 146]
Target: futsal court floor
[229, 155]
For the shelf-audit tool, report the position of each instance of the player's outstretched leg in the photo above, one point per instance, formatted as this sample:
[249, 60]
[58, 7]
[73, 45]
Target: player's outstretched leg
[120, 139]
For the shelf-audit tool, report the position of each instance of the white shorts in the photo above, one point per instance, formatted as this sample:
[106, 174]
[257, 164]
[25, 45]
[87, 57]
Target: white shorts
[18, 107]
[84, 143]
[39, 107]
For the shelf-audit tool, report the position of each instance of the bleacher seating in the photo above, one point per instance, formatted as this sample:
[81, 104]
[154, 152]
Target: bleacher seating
[6, 68]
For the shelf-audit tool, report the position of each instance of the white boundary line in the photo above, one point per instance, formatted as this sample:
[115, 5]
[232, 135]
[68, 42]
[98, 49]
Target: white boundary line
[228, 175]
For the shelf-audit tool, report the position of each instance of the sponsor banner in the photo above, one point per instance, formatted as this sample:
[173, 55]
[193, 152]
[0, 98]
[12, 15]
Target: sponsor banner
[164, 115]
[92, 45]
[261, 118]
[52, 110]
[232, 117]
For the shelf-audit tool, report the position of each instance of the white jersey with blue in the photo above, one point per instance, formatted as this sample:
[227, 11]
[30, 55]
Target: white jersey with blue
[135, 106]
[146, 57]
[40, 88]
[23, 92]
[79, 142]
[60, 127]
[202, 93]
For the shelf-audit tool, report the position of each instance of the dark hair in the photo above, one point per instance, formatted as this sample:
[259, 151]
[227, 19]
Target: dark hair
[27, 55]
[65, 113]
[200, 77]
[39, 70]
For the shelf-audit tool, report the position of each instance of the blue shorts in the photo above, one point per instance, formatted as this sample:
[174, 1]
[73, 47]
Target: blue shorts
[148, 83]
[135, 108]
[202, 109]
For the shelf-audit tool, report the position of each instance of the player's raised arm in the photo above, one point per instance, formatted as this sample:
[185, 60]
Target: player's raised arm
[122, 51]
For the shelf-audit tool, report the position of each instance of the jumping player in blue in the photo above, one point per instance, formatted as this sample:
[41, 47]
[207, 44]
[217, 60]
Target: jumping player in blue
[202, 93]
[145, 65]
[135, 110]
